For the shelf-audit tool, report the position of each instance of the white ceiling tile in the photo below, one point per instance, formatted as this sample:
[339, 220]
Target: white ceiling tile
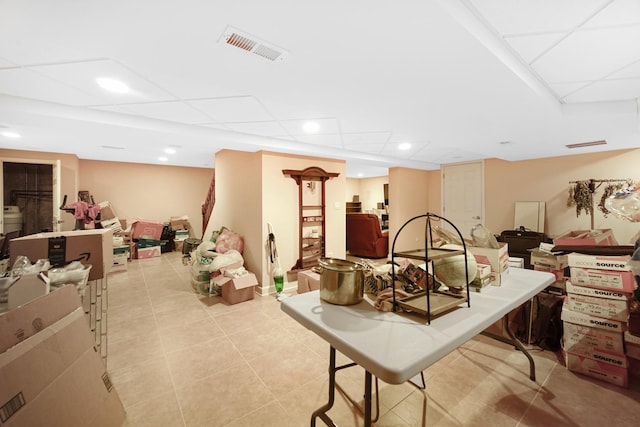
[233, 109]
[632, 70]
[590, 55]
[607, 90]
[365, 138]
[4, 63]
[522, 17]
[531, 46]
[332, 140]
[82, 76]
[29, 84]
[327, 125]
[619, 12]
[214, 125]
[124, 109]
[564, 89]
[174, 111]
[258, 128]
[374, 147]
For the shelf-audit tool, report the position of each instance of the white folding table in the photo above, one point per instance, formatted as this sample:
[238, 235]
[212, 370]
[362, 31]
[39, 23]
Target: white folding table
[395, 347]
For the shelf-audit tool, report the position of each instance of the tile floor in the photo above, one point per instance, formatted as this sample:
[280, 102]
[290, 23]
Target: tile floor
[178, 358]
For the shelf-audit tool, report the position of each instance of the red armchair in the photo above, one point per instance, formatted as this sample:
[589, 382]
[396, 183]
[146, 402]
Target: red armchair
[365, 237]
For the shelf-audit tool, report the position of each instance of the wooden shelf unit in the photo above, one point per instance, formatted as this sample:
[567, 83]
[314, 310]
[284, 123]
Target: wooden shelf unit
[353, 207]
[311, 214]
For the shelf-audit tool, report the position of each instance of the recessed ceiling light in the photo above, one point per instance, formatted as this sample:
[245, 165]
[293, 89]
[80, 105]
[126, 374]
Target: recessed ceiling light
[404, 146]
[8, 134]
[170, 150]
[112, 85]
[311, 127]
[163, 159]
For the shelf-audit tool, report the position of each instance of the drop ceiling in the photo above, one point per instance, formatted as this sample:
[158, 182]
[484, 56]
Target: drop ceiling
[459, 80]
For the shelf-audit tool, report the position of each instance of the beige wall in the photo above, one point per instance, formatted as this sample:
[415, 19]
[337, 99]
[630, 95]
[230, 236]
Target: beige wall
[547, 180]
[408, 197]
[370, 191]
[251, 191]
[135, 190]
[153, 192]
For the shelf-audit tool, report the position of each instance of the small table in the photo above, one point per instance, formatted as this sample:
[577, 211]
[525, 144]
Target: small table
[396, 347]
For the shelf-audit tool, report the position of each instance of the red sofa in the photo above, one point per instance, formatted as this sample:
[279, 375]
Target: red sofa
[365, 237]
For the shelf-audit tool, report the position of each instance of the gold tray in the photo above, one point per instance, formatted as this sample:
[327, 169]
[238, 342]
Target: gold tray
[439, 302]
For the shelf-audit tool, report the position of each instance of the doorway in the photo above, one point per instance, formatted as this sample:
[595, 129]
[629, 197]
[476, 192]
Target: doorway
[463, 195]
[28, 196]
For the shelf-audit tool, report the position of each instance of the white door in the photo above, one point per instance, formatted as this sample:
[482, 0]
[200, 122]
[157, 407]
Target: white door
[463, 195]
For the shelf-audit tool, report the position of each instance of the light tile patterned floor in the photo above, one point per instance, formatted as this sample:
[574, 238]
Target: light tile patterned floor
[178, 358]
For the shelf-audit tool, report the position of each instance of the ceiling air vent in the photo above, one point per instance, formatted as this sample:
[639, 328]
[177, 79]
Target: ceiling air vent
[245, 41]
[587, 144]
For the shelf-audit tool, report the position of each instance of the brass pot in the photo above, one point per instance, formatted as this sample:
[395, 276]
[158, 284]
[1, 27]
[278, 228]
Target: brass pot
[341, 281]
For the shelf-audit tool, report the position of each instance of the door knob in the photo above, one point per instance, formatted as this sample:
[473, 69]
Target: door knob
[476, 217]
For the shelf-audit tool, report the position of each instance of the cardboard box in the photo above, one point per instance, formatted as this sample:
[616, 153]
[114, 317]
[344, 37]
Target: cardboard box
[107, 211]
[482, 279]
[143, 229]
[56, 378]
[576, 336]
[150, 252]
[591, 321]
[498, 259]
[181, 235]
[94, 247]
[598, 369]
[558, 273]
[600, 307]
[27, 288]
[618, 281]
[599, 262]
[181, 223]
[616, 359]
[113, 224]
[148, 243]
[308, 281]
[586, 238]
[595, 292]
[549, 260]
[632, 345]
[238, 289]
[120, 262]
[478, 284]
[25, 321]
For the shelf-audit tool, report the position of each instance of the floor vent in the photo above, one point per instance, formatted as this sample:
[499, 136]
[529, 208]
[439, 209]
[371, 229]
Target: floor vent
[245, 41]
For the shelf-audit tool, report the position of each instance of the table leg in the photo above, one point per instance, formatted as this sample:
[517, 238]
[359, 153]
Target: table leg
[322, 412]
[367, 399]
[518, 344]
[515, 342]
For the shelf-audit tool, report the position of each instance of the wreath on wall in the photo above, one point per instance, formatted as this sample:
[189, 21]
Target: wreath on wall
[581, 194]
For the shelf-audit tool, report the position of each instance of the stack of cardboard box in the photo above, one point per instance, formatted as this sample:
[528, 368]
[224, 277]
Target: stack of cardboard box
[595, 315]
[543, 259]
[498, 259]
[50, 371]
[182, 229]
[147, 235]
